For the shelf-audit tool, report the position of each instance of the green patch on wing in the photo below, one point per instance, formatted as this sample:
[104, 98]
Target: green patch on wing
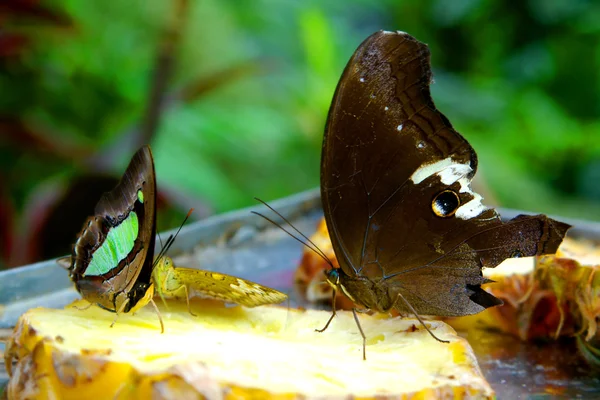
[140, 195]
[117, 245]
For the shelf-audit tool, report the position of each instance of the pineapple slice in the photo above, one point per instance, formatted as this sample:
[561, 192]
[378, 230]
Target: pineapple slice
[270, 352]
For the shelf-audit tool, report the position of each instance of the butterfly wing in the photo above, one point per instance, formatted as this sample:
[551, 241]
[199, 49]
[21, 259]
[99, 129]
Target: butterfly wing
[113, 254]
[218, 286]
[395, 186]
[447, 285]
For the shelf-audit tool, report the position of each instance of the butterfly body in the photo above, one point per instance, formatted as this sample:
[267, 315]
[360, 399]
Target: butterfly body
[171, 281]
[369, 293]
[111, 262]
[407, 229]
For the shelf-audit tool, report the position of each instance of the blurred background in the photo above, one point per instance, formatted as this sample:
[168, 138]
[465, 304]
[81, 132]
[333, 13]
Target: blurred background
[233, 95]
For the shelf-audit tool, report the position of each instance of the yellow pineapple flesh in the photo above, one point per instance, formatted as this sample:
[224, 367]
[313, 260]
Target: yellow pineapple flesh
[269, 352]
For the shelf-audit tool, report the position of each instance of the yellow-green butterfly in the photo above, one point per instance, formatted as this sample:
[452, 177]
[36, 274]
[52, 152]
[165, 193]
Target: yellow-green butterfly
[171, 281]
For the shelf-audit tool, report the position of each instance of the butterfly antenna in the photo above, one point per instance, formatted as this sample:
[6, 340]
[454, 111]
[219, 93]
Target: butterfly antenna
[315, 247]
[171, 239]
[308, 243]
[160, 240]
[164, 249]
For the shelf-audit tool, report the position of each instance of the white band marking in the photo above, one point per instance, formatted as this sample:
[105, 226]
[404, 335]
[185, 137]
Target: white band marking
[450, 172]
[471, 208]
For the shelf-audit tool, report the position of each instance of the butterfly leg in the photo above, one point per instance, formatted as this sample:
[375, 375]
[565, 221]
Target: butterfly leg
[163, 286]
[361, 333]
[162, 326]
[332, 314]
[419, 318]
[164, 301]
[83, 308]
[187, 299]
[119, 311]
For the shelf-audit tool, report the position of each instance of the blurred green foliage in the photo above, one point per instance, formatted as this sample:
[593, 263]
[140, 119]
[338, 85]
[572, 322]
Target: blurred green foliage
[520, 80]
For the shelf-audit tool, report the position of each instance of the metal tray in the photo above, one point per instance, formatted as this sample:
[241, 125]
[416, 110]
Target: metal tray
[245, 245]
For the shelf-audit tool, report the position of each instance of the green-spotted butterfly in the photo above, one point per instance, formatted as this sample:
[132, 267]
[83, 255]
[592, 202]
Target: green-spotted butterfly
[171, 281]
[112, 259]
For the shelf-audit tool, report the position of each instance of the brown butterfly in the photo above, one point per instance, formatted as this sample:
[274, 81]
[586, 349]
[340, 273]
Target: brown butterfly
[407, 229]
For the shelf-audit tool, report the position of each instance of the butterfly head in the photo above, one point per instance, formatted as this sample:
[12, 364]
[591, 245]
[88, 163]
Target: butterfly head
[332, 277]
[163, 265]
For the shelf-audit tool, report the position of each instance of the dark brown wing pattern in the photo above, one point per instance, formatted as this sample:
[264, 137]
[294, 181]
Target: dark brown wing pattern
[395, 186]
